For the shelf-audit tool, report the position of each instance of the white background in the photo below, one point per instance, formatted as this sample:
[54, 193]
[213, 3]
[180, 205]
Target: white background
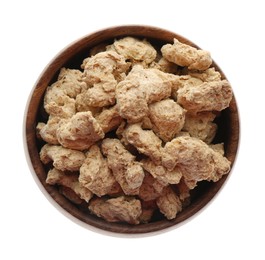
[33, 32]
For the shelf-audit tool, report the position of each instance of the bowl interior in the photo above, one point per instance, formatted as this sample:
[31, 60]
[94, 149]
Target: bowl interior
[72, 57]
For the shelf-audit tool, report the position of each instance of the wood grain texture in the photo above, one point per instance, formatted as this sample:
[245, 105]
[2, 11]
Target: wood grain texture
[72, 57]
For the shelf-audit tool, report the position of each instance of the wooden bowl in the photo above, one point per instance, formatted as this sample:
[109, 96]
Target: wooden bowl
[71, 57]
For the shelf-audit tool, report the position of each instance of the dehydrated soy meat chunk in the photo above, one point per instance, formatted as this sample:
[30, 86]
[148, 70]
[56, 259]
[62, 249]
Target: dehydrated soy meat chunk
[201, 126]
[169, 203]
[95, 173]
[196, 160]
[135, 50]
[104, 65]
[140, 88]
[102, 72]
[186, 55]
[145, 141]
[209, 96]
[59, 99]
[167, 117]
[151, 188]
[80, 131]
[126, 170]
[69, 180]
[63, 159]
[109, 119]
[120, 209]
[47, 132]
[161, 173]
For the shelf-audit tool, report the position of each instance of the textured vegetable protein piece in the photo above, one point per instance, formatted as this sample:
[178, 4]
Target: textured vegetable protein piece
[209, 96]
[127, 171]
[70, 181]
[135, 50]
[140, 88]
[196, 159]
[169, 203]
[145, 141]
[120, 209]
[80, 131]
[59, 99]
[185, 55]
[63, 159]
[95, 173]
[201, 126]
[167, 117]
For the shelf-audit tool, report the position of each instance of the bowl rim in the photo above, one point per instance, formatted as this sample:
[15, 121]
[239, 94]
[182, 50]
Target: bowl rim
[29, 140]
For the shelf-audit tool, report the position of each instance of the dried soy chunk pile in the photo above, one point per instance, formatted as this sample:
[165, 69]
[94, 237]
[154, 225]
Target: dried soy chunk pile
[131, 132]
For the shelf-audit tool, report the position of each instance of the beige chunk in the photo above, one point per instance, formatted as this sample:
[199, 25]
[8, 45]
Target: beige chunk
[222, 166]
[120, 209]
[71, 81]
[131, 101]
[102, 72]
[186, 55]
[68, 180]
[63, 107]
[126, 170]
[155, 84]
[161, 173]
[169, 203]
[218, 148]
[187, 80]
[195, 158]
[100, 95]
[183, 81]
[206, 76]
[80, 131]
[59, 99]
[140, 88]
[167, 117]
[195, 78]
[109, 119]
[201, 126]
[64, 159]
[135, 50]
[151, 188]
[209, 96]
[145, 141]
[104, 65]
[95, 174]
[48, 131]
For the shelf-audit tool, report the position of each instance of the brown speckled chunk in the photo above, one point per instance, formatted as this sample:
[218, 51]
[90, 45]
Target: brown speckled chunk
[196, 159]
[95, 173]
[120, 209]
[63, 159]
[185, 55]
[126, 170]
[80, 131]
